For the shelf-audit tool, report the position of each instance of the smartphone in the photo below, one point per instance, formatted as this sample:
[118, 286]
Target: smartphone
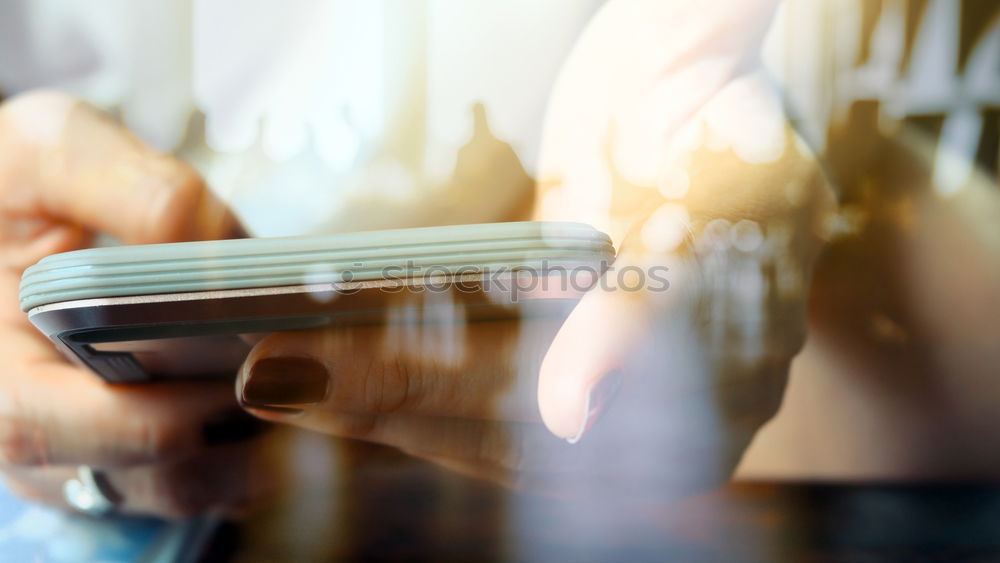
[192, 310]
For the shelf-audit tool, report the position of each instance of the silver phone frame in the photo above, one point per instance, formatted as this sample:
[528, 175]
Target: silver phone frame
[74, 326]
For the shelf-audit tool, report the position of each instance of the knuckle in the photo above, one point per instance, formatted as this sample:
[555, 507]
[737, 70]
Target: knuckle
[17, 449]
[155, 440]
[21, 443]
[359, 427]
[186, 183]
[184, 191]
[390, 387]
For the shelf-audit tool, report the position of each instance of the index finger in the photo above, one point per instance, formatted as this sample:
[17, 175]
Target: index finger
[65, 160]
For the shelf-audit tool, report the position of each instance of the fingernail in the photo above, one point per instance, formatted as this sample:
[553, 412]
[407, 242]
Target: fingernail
[280, 382]
[600, 396]
[235, 425]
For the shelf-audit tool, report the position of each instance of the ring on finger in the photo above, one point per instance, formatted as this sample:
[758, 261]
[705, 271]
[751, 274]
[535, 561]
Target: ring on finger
[89, 492]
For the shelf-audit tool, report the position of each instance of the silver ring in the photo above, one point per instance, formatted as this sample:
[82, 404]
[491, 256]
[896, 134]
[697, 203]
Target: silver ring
[89, 493]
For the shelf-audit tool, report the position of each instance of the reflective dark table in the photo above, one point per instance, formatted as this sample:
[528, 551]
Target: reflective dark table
[382, 505]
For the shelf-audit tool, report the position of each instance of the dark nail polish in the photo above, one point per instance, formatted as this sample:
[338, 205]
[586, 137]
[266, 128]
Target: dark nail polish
[232, 426]
[285, 381]
[601, 395]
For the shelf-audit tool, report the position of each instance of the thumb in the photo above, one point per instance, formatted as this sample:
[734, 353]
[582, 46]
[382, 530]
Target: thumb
[78, 166]
[586, 364]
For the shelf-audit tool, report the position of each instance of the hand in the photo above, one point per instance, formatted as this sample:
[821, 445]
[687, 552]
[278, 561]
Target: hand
[677, 146]
[66, 173]
[678, 396]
